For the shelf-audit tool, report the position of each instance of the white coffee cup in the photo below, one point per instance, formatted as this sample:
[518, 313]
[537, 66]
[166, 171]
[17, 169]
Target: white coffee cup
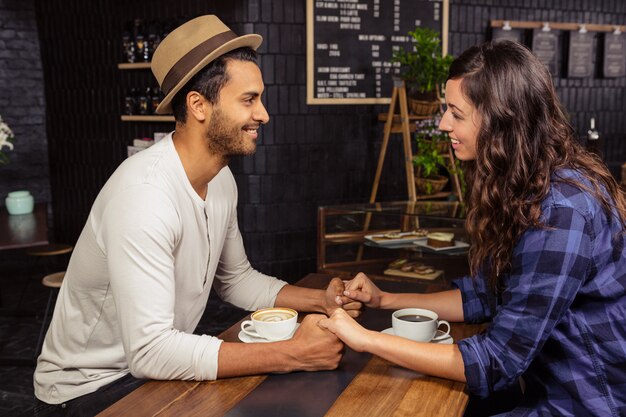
[271, 323]
[418, 324]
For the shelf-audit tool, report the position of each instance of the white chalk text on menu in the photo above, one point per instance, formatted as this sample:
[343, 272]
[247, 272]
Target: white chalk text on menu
[350, 44]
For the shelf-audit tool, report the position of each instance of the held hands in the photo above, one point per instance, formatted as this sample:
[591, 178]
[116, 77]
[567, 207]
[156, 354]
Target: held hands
[336, 299]
[362, 289]
[347, 329]
[314, 348]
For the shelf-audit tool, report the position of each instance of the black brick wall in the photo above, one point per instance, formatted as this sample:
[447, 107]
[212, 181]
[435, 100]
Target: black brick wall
[308, 155]
[604, 99]
[22, 104]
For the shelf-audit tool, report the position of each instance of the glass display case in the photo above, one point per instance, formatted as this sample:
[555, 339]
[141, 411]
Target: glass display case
[423, 240]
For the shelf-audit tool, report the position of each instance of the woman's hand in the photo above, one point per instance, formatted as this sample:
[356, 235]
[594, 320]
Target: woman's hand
[361, 288]
[347, 329]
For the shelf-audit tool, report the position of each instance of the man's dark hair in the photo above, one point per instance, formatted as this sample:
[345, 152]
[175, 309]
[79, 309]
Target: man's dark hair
[209, 81]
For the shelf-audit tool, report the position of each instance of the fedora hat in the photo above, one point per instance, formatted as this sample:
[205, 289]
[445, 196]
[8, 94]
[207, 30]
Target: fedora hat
[188, 49]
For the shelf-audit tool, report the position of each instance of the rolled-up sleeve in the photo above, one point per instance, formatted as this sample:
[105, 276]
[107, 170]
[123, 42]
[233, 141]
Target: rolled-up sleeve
[547, 268]
[478, 300]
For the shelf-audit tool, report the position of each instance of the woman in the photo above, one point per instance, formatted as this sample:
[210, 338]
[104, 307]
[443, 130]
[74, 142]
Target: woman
[548, 262]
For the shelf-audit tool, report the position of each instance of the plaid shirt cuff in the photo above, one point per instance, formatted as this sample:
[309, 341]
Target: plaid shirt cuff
[475, 307]
[475, 372]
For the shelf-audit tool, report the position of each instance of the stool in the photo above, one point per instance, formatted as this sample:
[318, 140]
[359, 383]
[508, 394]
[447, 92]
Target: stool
[52, 281]
[50, 250]
[49, 253]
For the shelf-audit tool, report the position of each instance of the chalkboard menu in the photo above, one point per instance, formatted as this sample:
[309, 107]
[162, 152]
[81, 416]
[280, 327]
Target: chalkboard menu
[580, 55]
[614, 55]
[545, 46]
[350, 44]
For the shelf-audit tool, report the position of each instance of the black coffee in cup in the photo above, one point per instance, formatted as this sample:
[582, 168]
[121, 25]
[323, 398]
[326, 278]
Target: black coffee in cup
[415, 318]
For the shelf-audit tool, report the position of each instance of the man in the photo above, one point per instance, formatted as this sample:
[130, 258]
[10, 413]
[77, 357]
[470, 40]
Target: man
[163, 231]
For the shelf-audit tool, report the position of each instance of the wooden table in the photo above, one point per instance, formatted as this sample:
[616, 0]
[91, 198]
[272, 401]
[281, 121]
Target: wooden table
[363, 385]
[24, 230]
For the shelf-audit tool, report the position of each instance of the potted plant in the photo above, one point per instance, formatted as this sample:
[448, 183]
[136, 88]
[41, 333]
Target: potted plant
[424, 70]
[429, 161]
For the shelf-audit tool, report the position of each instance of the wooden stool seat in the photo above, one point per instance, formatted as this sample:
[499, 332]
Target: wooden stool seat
[51, 254]
[50, 250]
[53, 280]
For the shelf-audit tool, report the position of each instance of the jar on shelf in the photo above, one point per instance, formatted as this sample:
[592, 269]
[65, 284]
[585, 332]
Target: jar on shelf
[19, 202]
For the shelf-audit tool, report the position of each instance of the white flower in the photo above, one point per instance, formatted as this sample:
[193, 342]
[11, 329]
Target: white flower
[6, 136]
[4, 141]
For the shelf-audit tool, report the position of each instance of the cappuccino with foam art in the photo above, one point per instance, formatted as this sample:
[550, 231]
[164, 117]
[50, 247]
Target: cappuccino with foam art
[272, 324]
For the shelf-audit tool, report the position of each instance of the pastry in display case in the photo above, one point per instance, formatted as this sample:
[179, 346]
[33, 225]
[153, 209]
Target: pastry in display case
[423, 240]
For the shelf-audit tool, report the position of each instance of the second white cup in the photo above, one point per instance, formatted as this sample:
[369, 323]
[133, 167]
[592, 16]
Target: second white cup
[418, 324]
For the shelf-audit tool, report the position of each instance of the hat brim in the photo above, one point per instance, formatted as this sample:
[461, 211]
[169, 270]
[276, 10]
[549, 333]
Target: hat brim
[252, 40]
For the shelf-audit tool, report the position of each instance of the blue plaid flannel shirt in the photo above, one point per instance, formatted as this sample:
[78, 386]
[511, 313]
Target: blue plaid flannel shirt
[560, 324]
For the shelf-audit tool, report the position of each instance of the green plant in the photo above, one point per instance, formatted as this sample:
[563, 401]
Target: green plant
[428, 159]
[432, 143]
[424, 68]
[429, 140]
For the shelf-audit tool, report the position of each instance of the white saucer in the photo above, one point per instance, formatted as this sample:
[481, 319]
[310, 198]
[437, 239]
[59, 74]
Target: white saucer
[447, 341]
[246, 338]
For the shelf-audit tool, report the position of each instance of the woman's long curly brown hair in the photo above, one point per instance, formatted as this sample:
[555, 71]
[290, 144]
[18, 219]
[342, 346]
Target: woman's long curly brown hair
[524, 137]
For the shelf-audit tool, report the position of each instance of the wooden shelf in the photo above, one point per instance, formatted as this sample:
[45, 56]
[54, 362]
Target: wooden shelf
[134, 65]
[147, 118]
[397, 119]
[436, 196]
[515, 24]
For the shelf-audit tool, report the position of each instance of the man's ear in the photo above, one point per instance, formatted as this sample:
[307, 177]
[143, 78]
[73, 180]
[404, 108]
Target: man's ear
[198, 107]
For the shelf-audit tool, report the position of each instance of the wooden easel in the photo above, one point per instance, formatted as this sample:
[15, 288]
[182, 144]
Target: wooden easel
[401, 123]
[398, 93]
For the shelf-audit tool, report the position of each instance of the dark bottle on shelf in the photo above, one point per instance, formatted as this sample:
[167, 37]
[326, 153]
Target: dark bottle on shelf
[140, 40]
[152, 41]
[128, 44]
[155, 99]
[130, 102]
[147, 50]
[143, 99]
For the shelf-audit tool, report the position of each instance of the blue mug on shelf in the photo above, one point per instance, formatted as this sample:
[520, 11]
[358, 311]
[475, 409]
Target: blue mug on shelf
[20, 202]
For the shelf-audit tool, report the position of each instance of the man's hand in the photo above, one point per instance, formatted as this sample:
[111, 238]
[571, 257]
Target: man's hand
[362, 289]
[313, 348]
[335, 298]
[310, 349]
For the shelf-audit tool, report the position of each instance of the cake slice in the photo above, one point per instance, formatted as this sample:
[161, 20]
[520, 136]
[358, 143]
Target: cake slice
[440, 239]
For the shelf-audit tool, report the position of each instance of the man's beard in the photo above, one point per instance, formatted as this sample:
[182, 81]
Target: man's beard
[225, 138]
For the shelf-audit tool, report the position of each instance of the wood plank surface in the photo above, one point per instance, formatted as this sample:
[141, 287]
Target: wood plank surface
[433, 397]
[384, 389]
[213, 399]
[150, 399]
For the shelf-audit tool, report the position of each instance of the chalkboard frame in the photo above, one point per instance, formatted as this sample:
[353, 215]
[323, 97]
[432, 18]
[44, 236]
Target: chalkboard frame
[310, 78]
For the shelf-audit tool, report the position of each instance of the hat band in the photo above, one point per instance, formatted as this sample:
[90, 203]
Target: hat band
[191, 59]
